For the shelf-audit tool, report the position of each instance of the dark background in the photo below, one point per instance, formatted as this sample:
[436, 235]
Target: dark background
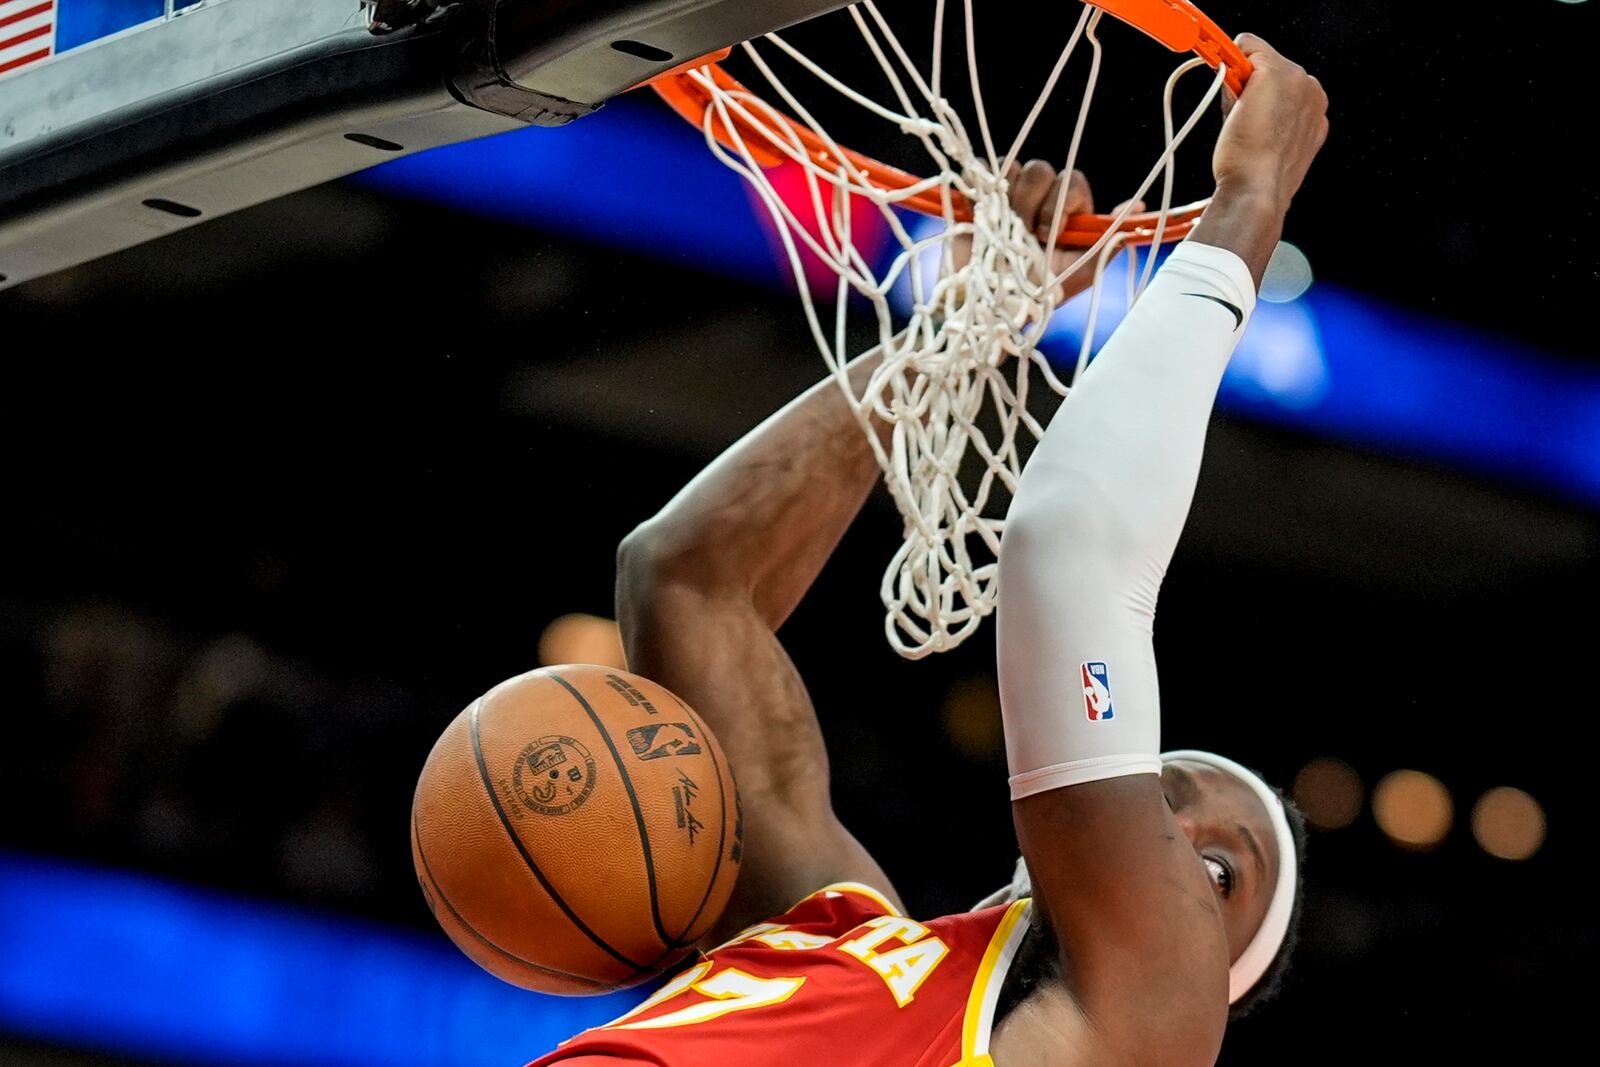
[288, 490]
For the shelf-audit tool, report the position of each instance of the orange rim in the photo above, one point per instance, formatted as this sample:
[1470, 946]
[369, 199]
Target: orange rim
[1177, 24]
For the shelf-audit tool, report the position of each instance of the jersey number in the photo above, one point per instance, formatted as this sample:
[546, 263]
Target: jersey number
[729, 990]
[903, 968]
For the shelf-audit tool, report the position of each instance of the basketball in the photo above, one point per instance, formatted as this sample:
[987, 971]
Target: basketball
[576, 830]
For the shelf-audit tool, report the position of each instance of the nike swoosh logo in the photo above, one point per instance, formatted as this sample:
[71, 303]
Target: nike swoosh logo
[1238, 315]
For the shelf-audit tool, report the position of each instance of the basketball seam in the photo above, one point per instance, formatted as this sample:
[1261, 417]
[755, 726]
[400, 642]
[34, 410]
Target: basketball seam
[638, 813]
[566, 909]
[439, 894]
[722, 830]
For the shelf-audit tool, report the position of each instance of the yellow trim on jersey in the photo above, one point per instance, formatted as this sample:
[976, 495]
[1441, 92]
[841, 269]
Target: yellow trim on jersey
[860, 888]
[985, 987]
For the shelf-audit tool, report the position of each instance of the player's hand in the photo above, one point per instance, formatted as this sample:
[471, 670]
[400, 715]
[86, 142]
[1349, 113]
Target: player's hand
[1273, 130]
[1034, 188]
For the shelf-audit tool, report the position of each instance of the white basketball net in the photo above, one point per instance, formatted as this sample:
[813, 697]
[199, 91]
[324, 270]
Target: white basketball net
[969, 340]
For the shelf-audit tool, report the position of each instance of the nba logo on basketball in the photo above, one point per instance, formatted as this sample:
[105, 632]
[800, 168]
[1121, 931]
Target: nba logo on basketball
[1096, 692]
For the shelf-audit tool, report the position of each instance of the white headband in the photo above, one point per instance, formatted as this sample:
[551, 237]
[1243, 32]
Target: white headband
[1263, 948]
[1258, 955]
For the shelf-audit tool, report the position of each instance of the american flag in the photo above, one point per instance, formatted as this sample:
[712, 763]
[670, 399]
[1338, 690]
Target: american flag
[27, 33]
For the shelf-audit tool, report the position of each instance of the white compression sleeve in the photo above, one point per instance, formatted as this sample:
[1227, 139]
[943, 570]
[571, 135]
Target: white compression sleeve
[1096, 518]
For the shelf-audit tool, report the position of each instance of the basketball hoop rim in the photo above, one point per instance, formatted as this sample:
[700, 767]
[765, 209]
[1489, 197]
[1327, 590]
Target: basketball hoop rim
[1177, 24]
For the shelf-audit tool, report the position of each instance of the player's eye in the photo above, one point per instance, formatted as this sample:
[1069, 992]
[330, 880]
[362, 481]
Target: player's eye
[1221, 874]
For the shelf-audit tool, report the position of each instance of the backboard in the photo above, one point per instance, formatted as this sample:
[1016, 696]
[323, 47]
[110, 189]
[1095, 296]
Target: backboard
[206, 109]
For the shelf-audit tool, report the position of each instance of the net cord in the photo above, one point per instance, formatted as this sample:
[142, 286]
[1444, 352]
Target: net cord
[970, 342]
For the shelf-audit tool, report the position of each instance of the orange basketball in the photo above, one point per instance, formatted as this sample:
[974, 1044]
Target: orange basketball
[576, 830]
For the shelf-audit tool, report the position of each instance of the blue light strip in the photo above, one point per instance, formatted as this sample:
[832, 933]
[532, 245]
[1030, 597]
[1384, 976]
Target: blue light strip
[625, 176]
[1414, 385]
[133, 965]
[1333, 363]
[1355, 369]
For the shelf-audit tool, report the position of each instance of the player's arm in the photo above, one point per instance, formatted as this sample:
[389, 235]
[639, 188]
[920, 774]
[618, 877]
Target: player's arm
[701, 589]
[703, 586]
[1094, 525]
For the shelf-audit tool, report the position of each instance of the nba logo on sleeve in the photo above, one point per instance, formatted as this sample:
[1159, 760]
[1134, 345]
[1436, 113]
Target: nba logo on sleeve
[1096, 691]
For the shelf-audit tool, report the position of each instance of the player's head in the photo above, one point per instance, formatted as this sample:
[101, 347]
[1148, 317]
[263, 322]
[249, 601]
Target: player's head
[1252, 842]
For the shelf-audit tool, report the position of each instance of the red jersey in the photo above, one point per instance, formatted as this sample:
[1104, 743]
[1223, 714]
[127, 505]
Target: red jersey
[841, 979]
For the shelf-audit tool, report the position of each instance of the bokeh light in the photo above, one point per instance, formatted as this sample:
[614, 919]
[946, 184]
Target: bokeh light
[580, 638]
[1329, 792]
[1288, 275]
[971, 715]
[1508, 823]
[1413, 808]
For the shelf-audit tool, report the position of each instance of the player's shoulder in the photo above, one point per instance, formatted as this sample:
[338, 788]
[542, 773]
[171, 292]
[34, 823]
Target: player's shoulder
[840, 907]
[843, 898]
[820, 916]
